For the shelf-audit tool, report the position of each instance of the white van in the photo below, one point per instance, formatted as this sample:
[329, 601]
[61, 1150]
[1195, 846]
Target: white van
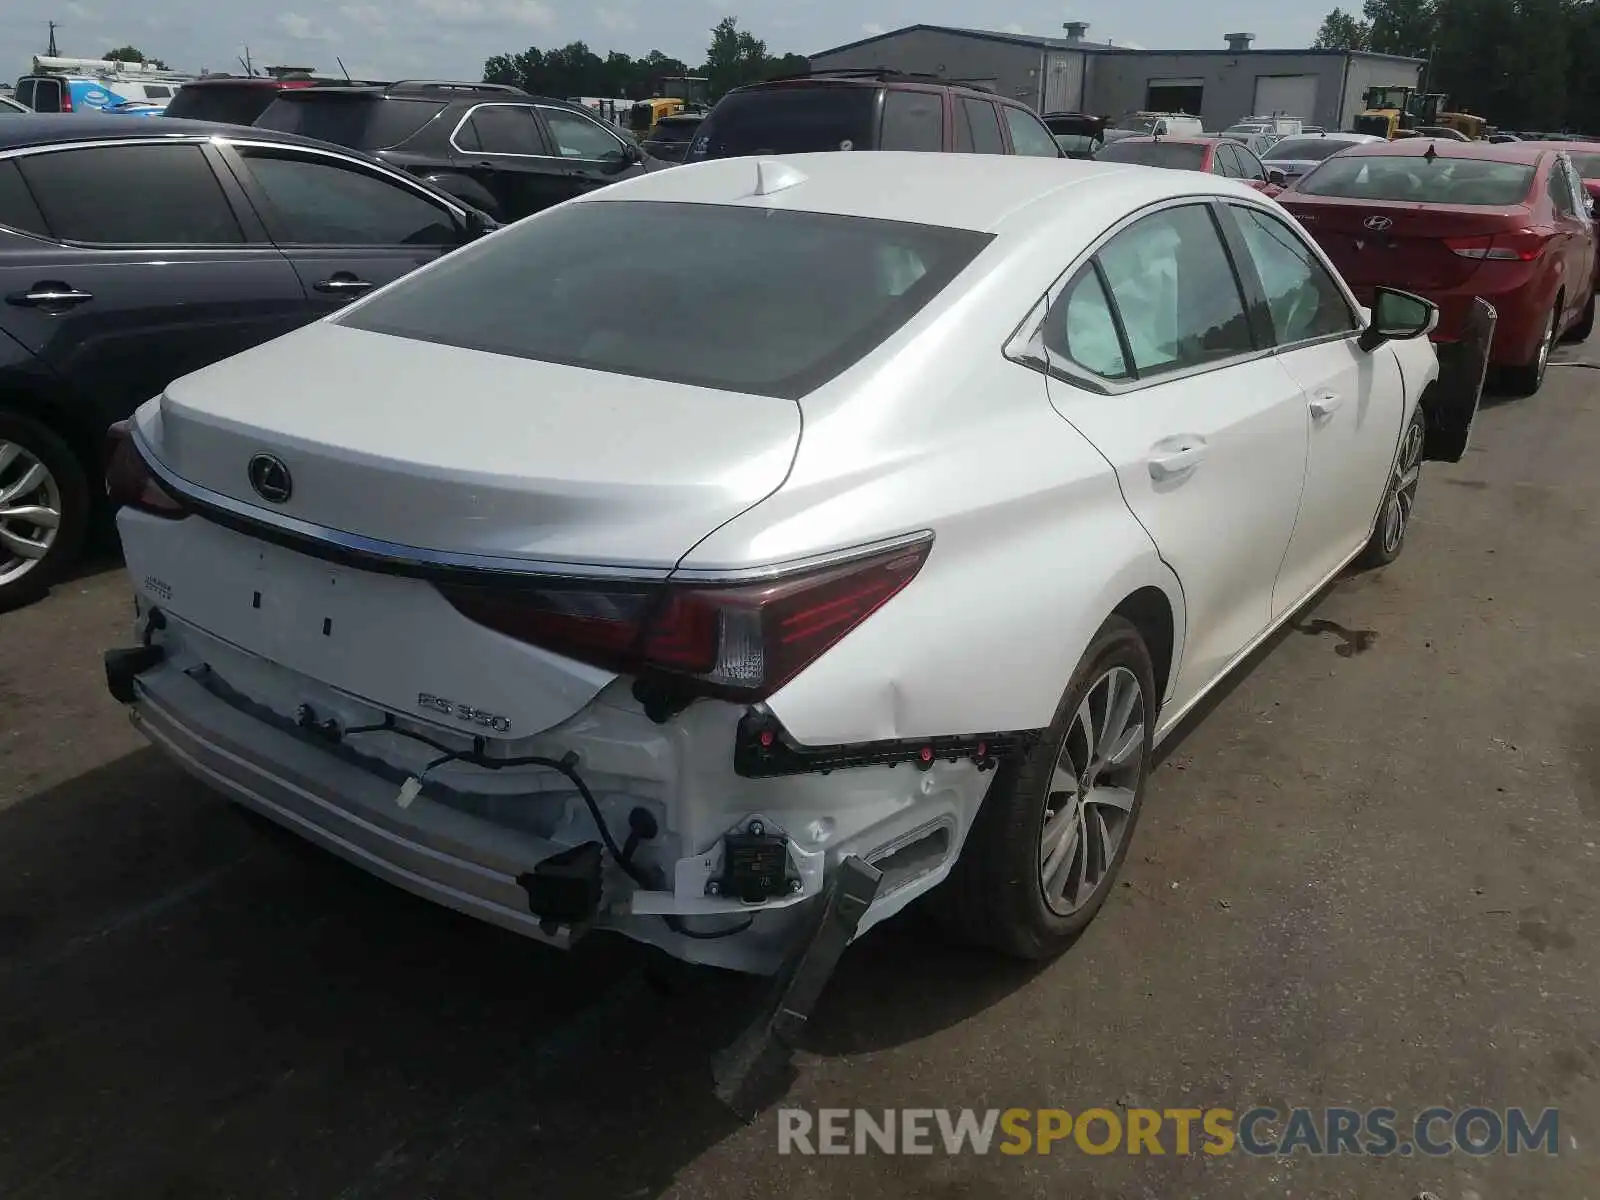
[1156, 124]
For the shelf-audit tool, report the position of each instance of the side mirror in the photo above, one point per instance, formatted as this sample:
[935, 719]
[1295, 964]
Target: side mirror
[1278, 176]
[1398, 317]
[478, 223]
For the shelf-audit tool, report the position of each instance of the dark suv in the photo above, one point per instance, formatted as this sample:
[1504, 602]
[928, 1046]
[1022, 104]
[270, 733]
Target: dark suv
[869, 110]
[493, 146]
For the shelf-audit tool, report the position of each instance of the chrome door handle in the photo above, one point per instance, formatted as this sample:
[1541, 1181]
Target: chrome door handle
[44, 295]
[1325, 404]
[344, 283]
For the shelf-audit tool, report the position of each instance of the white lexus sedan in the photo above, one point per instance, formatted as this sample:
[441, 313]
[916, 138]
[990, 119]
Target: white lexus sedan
[658, 559]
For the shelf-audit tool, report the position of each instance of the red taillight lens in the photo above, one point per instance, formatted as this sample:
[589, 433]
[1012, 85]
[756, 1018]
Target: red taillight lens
[740, 641]
[1524, 245]
[129, 481]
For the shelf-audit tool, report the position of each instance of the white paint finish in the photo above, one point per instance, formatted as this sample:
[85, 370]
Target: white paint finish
[1354, 409]
[1223, 523]
[1286, 95]
[450, 449]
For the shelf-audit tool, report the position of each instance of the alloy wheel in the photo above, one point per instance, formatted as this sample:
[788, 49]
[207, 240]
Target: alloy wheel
[1403, 491]
[1548, 341]
[1089, 809]
[30, 511]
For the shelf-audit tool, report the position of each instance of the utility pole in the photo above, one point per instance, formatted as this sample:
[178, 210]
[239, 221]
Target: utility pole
[249, 68]
[52, 51]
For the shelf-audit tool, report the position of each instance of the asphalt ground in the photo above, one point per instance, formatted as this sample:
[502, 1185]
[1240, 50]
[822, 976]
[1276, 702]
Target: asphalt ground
[1368, 877]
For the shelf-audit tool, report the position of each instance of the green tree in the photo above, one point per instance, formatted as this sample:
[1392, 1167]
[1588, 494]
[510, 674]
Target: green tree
[734, 58]
[502, 68]
[1341, 31]
[132, 54]
[1404, 27]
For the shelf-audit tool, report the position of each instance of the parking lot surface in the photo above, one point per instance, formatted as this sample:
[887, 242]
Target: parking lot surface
[1369, 877]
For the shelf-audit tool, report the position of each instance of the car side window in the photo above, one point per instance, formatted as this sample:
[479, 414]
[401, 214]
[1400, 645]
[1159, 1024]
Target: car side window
[1304, 300]
[131, 196]
[1175, 290]
[1249, 165]
[17, 207]
[1028, 133]
[579, 137]
[25, 93]
[984, 124]
[1080, 328]
[1223, 163]
[320, 202]
[502, 129]
[1560, 190]
[912, 120]
[1580, 197]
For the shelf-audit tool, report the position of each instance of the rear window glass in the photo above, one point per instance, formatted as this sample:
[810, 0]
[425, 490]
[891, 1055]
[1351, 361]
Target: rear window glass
[1184, 155]
[675, 131]
[360, 122]
[756, 300]
[1306, 149]
[790, 121]
[1588, 165]
[230, 104]
[1416, 178]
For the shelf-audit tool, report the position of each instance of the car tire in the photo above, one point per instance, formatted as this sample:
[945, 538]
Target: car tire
[32, 451]
[1527, 378]
[1399, 497]
[1584, 325]
[995, 896]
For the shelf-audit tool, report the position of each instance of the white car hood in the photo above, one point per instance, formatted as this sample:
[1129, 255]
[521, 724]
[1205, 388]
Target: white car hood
[464, 452]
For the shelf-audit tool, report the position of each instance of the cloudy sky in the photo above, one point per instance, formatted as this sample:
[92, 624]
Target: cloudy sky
[451, 38]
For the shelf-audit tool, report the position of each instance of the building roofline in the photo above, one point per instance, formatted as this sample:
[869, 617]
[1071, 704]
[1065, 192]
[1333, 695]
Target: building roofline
[1053, 43]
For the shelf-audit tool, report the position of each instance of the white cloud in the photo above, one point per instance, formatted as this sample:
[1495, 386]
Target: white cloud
[81, 11]
[369, 16]
[533, 13]
[463, 10]
[872, 29]
[617, 20]
[526, 12]
[303, 28]
[1013, 28]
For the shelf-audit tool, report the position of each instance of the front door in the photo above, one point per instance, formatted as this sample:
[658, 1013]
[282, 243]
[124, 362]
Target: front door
[346, 228]
[1354, 402]
[1155, 362]
[120, 298]
[504, 147]
[593, 156]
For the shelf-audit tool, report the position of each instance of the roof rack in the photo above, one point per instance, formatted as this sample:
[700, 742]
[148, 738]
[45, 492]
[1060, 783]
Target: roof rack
[884, 74]
[451, 85]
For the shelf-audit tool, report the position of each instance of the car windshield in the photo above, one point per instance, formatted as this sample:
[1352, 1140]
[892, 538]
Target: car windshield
[756, 300]
[1306, 149]
[1187, 156]
[791, 120]
[1588, 165]
[1136, 124]
[1419, 179]
[232, 104]
[362, 122]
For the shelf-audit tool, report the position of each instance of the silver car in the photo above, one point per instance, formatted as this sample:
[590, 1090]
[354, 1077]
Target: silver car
[1295, 156]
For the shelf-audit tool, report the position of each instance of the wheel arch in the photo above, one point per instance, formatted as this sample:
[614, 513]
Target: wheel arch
[1150, 611]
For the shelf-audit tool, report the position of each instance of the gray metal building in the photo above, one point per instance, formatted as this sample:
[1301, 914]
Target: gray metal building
[1073, 73]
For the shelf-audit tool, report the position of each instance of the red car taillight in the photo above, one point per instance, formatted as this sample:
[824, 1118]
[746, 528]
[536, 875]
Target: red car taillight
[130, 483]
[1525, 245]
[738, 641]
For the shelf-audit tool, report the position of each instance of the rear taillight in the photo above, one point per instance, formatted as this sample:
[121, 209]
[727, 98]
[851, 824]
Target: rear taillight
[129, 481]
[66, 100]
[739, 641]
[1524, 245]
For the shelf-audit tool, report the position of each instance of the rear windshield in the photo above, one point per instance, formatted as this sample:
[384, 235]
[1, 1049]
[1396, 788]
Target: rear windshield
[1418, 179]
[232, 104]
[790, 120]
[1588, 165]
[1307, 149]
[756, 300]
[360, 122]
[1186, 156]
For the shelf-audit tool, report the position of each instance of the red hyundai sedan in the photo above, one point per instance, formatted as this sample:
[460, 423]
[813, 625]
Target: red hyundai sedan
[1585, 158]
[1455, 220]
[1219, 156]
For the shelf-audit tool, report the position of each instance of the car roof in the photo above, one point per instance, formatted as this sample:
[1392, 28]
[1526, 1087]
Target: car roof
[872, 78]
[1182, 141]
[49, 129]
[1415, 147]
[979, 192]
[450, 93]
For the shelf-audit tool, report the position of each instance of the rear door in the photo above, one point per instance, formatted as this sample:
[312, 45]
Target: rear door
[1575, 232]
[121, 298]
[590, 154]
[1354, 402]
[505, 148]
[346, 227]
[977, 127]
[913, 119]
[1153, 358]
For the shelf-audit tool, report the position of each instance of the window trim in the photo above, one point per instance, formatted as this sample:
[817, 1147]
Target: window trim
[1026, 347]
[541, 109]
[271, 219]
[241, 218]
[467, 116]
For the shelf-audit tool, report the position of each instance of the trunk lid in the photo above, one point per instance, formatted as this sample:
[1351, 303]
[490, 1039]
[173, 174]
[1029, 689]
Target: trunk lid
[466, 453]
[1399, 244]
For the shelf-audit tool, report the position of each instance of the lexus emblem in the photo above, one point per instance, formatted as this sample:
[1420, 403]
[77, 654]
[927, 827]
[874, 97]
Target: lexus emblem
[1377, 224]
[270, 478]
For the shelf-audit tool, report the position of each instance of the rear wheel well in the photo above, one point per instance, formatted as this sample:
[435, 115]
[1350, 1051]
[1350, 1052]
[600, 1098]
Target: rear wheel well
[1150, 613]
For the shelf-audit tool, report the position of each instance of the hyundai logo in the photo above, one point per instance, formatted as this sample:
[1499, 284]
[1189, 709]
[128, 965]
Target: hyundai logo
[1377, 224]
[270, 478]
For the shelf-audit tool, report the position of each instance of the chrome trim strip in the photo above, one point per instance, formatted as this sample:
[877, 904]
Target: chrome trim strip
[377, 168]
[422, 559]
[467, 116]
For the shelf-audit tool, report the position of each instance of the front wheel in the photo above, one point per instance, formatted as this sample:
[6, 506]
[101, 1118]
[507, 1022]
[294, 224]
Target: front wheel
[1399, 497]
[1526, 379]
[1053, 832]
